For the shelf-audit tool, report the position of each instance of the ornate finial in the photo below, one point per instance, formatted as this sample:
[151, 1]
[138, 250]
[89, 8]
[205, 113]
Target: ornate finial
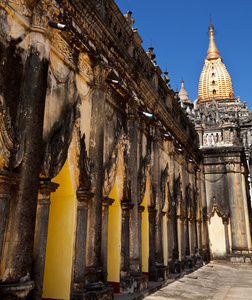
[165, 77]
[128, 17]
[150, 52]
[212, 52]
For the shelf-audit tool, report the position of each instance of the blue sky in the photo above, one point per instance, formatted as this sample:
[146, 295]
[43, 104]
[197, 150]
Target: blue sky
[178, 31]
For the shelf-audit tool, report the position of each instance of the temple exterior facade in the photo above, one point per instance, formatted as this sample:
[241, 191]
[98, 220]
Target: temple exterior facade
[106, 181]
[224, 127]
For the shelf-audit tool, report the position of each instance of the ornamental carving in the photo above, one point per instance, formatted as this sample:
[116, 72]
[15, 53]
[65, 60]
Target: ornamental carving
[111, 167]
[142, 176]
[178, 194]
[189, 201]
[222, 213]
[164, 185]
[98, 76]
[230, 167]
[214, 169]
[44, 10]
[11, 142]
[85, 165]
[56, 146]
[196, 202]
[21, 7]
[84, 65]
[64, 48]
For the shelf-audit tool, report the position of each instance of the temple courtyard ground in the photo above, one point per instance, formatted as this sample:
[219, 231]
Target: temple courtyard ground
[215, 281]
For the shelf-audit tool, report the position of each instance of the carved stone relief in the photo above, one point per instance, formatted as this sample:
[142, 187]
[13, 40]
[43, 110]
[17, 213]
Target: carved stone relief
[142, 176]
[111, 166]
[56, 146]
[164, 185]
[11, 144]
[188, 200]
[178, 195]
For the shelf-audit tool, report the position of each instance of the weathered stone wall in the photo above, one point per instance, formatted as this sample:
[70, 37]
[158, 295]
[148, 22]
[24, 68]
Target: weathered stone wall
[82, 93]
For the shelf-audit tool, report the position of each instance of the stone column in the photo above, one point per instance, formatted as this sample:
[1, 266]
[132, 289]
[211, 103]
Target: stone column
[125, 264]
[225, 223]
[170, 236]
[140, 210]
[96, 147]
[17, 263]
[132, 125]
[181, 221]
[79, 264]
[152, 263]
[187, 246]
[205, 237]
[192, 237]
[205, 246]
[106, 202]
[159, 259]
[199, 235]
[40, 239]
[7, 179]
[195, 237]
[175, 254]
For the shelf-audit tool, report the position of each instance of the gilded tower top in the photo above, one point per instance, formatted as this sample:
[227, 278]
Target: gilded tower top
[215, 81]
[212, 52]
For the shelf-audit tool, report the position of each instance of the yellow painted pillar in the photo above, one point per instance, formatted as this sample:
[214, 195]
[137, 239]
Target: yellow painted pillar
[145, 238]
[59, 250]
[114, 241]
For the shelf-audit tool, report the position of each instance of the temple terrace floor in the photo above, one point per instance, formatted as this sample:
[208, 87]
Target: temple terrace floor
[216, 280]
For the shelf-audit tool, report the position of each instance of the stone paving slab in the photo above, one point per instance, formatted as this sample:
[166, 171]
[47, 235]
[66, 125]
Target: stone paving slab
[215, 281]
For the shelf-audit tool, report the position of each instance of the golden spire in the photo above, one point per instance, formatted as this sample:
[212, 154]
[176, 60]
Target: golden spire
[215, 81]
[212, 52]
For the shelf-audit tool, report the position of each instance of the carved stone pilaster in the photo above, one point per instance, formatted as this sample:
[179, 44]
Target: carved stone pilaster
[126, 208]
[131, 280]
[18, 251]
[199, 235]
[79, 268]
[170, 235]
[132, 186]
[40, 239]
[96, 150]
[157, 196]
[192, 235]
[175, 250]
[152, 259]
